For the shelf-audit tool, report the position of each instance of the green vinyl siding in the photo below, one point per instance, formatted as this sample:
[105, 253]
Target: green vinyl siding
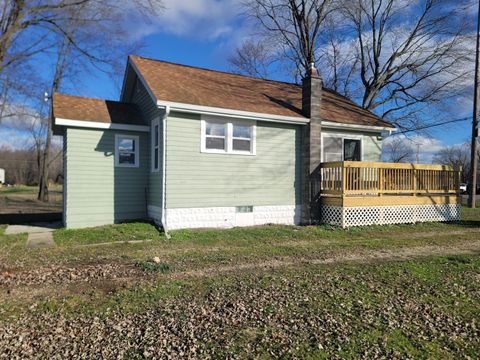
[98, 192]
[372, 147]
[196, 179]
[150, 112]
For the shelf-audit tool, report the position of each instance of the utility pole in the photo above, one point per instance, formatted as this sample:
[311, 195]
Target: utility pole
[476, 93]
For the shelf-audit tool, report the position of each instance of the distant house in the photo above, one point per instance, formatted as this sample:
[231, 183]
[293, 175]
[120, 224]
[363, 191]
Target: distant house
[190, 147]
[2, 176]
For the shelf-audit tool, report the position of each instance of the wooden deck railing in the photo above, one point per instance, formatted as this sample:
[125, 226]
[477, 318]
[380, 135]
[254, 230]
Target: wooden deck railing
[345, 178]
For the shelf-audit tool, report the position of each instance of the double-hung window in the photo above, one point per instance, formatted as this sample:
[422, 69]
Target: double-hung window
[242, 138]
[155, 136]
[215, 136]
[228, 136]
[126, 150]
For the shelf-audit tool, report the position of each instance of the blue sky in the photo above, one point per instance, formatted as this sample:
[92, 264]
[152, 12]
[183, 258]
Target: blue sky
[204, 33]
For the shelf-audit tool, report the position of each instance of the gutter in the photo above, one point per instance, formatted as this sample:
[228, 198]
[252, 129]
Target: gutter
[164, 171]
[344, 126]
[238, 114]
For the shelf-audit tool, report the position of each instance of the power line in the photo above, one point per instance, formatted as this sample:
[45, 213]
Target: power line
[432, 125]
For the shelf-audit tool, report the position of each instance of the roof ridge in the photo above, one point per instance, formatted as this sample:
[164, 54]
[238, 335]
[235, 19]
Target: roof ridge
[214, 70]
[346, 98]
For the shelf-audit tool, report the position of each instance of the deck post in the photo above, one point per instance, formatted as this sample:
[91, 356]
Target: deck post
[414, 179]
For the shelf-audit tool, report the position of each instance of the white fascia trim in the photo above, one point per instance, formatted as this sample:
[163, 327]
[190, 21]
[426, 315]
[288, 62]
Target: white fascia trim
[100, 125]
[334, 125]
[207, 110]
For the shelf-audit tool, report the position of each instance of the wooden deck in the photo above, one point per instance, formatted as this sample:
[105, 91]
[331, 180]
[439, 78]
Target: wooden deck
[378, 179]
[356, 192]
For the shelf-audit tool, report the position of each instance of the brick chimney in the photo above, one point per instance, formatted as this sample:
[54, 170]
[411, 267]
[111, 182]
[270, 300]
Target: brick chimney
[311, 146]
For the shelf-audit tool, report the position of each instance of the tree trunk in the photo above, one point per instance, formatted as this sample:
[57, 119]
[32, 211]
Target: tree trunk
[43, 185]
[62, 56]
[10, 25]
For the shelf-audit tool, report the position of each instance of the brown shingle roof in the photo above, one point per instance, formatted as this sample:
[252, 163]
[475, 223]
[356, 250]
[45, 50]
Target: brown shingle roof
[196, 86]
[97, 110]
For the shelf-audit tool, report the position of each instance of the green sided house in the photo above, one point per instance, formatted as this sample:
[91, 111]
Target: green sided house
[190, 148]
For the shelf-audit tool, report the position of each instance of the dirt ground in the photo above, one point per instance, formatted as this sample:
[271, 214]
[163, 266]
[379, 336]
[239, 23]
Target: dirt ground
[58, 281]
[24, 200]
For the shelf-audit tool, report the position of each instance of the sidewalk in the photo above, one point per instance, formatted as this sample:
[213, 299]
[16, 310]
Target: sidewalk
[39, 234]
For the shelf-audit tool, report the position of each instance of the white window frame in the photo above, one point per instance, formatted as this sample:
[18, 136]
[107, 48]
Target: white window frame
[204, 135]
[228, 123]
[155, 122]
[135, 138]
[343, 137]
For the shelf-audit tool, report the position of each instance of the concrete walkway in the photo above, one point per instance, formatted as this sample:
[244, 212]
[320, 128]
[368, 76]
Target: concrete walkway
[39, 235]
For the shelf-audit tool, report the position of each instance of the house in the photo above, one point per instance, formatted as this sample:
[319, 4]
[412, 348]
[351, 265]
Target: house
[191, 147]
[2, 176]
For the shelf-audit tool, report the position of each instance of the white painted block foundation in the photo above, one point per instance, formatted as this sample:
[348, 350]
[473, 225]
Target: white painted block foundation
[227, 217]
[382, 215]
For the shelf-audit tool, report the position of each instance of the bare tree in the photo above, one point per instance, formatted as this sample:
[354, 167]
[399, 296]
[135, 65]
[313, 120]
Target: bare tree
[18, 15]
[398, 58]
[252, 58]
[30, 28]
[337, 59]
[61, 61]
[397, 150]
[411, 54]
[37, 129]
[291, 26]
[456, 156]
[81, 45]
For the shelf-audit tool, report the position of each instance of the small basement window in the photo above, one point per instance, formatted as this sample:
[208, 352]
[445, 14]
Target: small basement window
[244, 209]
[228, 137]
[126, 150]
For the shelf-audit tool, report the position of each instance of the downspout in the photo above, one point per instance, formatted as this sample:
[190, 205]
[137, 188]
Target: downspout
[164, 171]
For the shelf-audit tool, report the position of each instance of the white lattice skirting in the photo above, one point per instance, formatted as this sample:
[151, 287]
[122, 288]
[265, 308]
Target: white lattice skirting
[382, 215]
[227, 217]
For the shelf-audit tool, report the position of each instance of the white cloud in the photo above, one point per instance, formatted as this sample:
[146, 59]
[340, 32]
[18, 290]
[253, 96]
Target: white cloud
[209, 19]
[18, 117]
[18, 126]
[423, 147]
[14, 139]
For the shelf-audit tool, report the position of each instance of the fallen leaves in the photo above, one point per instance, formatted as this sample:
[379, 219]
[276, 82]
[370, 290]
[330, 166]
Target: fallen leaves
[64, 274]
[369, 312]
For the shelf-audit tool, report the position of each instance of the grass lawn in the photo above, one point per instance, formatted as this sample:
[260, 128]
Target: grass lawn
[23, 199]
[111, 233]
[403, 291]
